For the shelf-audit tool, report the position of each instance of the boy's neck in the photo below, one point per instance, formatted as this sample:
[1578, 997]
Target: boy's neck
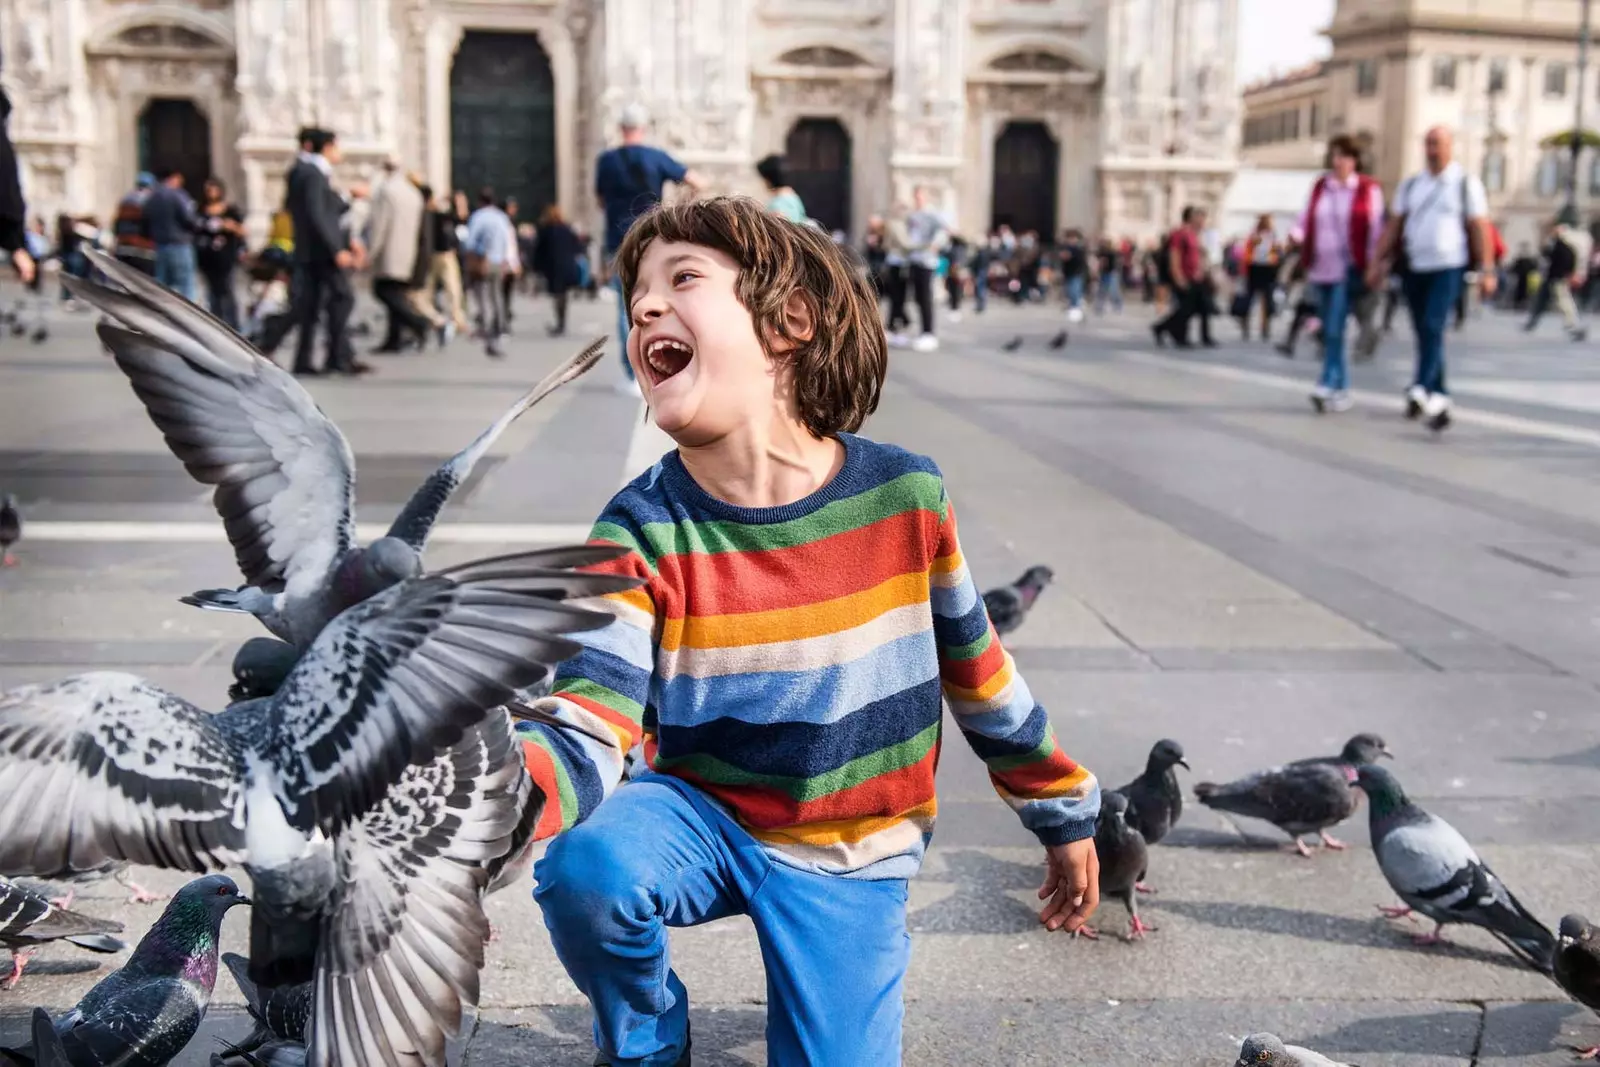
[765, 466]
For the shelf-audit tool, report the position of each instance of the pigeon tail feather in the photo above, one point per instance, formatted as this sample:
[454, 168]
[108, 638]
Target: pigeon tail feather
[248, 601]
[97, 942]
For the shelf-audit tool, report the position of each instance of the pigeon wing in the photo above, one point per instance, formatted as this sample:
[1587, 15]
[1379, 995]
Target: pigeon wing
[403, 943]
[417, 518]
[1425, 861]
[284, 474]
[284, 1012]
[26, 917]
[143, 1022]
[1294, 797]
[396, 679]
[104, 767]
[47, 1048]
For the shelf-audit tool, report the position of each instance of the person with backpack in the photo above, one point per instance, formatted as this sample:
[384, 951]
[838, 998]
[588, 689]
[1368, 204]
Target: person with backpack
[1439, 226]
[628, 180]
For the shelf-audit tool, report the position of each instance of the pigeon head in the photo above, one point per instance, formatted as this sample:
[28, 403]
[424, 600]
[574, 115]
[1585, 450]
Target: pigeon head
[8, 500]
[1037, 577]
[1263, 1050]
[387, 561]
[1113, 804]
[206, 900]
[1363, 749]
[1167, 753]
[1382, 788]
[260, 667]
[1575, 929]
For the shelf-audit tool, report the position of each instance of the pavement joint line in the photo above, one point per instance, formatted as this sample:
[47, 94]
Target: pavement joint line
[1492, 420]
[460, 533]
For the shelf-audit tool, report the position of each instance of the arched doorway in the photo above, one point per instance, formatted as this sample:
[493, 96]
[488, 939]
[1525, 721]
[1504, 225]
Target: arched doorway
[503, 119]
[817, 154]
[1025, 162]
[174, 133]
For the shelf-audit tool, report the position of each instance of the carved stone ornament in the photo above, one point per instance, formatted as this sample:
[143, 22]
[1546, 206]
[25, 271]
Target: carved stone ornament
[823, 56]
[1034, 61]
[165, 36]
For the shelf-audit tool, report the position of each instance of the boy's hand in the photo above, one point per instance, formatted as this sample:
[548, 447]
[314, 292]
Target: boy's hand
[1072, 884]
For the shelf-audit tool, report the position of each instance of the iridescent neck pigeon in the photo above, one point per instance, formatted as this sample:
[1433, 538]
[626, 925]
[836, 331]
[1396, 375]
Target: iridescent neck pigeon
[284, 473]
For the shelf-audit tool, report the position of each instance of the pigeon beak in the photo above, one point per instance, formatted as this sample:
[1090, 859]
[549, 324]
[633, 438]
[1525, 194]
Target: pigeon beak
[242, 899]
[1185, 765]
[1385, 753]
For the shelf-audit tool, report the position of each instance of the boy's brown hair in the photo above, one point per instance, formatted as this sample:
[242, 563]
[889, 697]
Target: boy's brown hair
[837, 374]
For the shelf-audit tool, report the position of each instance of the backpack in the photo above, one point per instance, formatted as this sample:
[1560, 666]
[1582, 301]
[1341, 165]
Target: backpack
[1164, 259]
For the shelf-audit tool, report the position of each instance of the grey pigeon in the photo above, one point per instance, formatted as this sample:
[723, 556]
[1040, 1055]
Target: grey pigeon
[145, 1012]
[1059, 340]
[10, 529]
[1434, 871]
[281, 1013]
[1155, 803]
[106, 766]
[1267, 1050]
[1124, 856]
[1009, 605]
[261, 665]
[284, 473]
[28, 920]
[1013, 344]
[1577, 967]
[1303, 797]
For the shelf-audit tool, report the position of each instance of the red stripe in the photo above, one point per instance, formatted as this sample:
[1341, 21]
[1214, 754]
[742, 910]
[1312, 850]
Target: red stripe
[1025, 781]
[543, 771]
[973, 673]
[764, 808]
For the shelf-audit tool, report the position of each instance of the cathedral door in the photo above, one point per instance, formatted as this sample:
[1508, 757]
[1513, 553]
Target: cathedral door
[503, 120]
[1025, 162]
[173, 133]
[817, 156]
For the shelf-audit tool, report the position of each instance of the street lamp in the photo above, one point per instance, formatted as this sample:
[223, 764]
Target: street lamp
[1569, 214]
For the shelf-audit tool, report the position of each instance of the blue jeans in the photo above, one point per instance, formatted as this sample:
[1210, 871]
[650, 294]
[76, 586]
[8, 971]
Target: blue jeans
[1075, 291]
[1334, 300]
[622, 321]
[1109, 290]
[1431, 297]
[175, 269]
[657, 854]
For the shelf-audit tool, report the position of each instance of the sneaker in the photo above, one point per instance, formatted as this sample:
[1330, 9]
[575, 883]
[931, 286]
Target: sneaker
[899, 340]
[494, 351]
[1074, 314]
[926, 343]
[1321, 396]
[1416, 397]
[1437, 409]
[1341, 401]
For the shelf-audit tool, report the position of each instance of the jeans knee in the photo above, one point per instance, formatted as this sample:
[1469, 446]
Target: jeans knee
[586, 881]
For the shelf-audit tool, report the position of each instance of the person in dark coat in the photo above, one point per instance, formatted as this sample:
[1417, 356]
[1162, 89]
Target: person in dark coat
[322, 255]
[13, 211]
[556, 249]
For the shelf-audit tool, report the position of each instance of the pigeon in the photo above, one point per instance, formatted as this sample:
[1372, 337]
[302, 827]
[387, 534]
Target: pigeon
[47, 1049]
[1124, 855]
[1577, 967]
[105, 766]
[10, 529]
[281, 1013]
[1009, 605]
[260, 666]
[1434, 871]
[284, 473]
[145, 1012]
[1155, 803]
[1268, 1050]
[1059, 340]
[1303, 797]
[1013, 344]
[28, 920]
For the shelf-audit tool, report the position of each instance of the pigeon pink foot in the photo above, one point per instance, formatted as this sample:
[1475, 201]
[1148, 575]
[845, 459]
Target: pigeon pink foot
[1087, 932]
[62, 903]
[1300, 847]
[1392, 912]
[8, 561]
[1137, 928]
[19, 960]
[1329, 841]
[1145, 887]
[1434, 938]
[1592, 1053]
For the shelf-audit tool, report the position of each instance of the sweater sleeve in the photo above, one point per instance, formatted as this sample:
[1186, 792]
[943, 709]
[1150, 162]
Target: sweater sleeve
[1056, 798]
[598, 697]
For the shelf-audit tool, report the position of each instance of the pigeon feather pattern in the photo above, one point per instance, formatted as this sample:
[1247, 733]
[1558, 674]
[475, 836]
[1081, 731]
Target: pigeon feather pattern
[284, 474]
[280, 1014]
[28, 919]
[47, 1048]
[1268, 1050]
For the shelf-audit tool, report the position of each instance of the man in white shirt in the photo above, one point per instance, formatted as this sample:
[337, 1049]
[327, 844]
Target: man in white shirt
[1441, 214]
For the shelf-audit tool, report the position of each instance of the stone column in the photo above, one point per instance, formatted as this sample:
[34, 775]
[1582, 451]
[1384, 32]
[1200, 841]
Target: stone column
[928, 105]
[51, 122]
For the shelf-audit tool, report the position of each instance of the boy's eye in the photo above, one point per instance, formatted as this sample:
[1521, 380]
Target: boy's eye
[683, 275]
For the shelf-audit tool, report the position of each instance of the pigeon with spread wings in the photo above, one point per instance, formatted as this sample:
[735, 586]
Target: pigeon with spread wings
[284, 474]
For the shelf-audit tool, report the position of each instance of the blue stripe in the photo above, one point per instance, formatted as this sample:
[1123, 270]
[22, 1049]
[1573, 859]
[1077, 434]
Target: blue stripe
[582, 757]
[1020, 742]
[602, 668]
[823, 695]
[622, 640]
[805, 750]
[955, 601]
[1000, 722]
[955, 631]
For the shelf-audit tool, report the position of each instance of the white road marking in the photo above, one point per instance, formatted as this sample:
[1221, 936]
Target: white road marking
[1493, 420]
[459, 533]
[648, 444]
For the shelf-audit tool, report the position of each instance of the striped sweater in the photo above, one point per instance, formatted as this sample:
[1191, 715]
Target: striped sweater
[790, 663]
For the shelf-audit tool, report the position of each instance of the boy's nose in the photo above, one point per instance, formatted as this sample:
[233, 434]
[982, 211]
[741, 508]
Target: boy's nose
[647, 309]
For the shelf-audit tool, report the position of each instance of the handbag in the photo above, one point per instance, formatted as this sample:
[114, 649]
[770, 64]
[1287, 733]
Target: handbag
[476, 266]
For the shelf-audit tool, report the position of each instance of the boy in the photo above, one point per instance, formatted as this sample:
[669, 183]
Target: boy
[806, 602]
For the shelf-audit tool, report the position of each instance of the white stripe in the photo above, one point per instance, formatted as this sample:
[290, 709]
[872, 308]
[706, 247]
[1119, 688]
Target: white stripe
[1493, 420]
[460, 533]
[648, 444]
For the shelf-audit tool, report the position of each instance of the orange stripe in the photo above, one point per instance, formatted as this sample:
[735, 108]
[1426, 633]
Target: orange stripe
[844, 831]
[793, 624]
[542, 769]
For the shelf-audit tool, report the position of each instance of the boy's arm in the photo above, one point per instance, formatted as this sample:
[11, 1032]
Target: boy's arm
[597, 701]
[1057, 799]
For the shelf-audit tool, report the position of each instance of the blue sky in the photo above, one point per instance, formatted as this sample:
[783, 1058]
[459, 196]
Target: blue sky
[1280, 35]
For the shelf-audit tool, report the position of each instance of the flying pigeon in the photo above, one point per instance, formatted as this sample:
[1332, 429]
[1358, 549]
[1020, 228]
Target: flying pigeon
[1577, 967]
[1124, 855]
[1267, 1050]
[284, 473]
[1013, 344]
[144, 1013]
[10, 529]
[1059, 340]
[28, 920]
[106, 766]
[1303, 797]
[1009, 605]
[1434, 871]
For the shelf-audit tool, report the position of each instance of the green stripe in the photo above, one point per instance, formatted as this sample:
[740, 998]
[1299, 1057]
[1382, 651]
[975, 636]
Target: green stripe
[565, 795]
[1041, 752]
[600, 694]
[909, 492]
[859, 770]
[621, 535]
[971, 650]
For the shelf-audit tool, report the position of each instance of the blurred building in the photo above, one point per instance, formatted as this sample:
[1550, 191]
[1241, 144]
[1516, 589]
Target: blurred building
[1502, 74]
[1039, 113]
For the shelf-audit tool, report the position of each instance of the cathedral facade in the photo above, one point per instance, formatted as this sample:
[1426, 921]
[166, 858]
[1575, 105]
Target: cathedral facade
[1042, 114]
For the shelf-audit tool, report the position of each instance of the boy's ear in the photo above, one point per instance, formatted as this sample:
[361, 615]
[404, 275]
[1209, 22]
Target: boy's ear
[798, 319]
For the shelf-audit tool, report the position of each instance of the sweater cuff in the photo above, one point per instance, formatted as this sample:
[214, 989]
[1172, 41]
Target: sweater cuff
[1065, 833]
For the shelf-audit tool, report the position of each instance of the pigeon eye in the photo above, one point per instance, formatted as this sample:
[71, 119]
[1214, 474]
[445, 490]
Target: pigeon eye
[222, 891]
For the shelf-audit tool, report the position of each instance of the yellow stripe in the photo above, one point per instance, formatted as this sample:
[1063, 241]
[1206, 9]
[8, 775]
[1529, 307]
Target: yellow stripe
[843, 831]
[998, 683]
[791, 624]
[947, 564]
[1061, 787]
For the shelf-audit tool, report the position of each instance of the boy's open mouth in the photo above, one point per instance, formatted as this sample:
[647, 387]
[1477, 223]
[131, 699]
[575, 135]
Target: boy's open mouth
[665, 357]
